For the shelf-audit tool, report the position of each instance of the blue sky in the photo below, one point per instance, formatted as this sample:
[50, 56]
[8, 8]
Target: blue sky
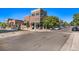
[65, 14]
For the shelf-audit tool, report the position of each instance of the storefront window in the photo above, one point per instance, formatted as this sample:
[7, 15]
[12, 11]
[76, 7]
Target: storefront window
[37, 14]
[33, 14]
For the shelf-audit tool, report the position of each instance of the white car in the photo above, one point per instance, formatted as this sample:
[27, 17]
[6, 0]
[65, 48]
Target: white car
[57, 28]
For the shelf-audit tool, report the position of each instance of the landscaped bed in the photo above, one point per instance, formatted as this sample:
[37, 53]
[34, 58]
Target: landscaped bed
[4, 31]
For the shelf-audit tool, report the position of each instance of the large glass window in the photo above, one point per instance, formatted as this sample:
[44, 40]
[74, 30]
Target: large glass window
[11, 23]
[37, 14]
[33, 14]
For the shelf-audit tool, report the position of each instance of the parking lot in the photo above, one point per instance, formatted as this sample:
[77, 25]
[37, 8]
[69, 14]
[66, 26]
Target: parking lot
[36, 41]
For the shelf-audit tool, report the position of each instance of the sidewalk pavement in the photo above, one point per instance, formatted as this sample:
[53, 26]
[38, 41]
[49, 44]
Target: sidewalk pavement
[72, 43]
[75, 44]
[40, 30]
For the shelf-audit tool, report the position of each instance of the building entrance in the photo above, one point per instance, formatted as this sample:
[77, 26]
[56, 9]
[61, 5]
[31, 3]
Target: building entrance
[35, 25]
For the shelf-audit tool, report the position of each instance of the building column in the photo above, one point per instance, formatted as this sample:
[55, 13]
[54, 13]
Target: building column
[34, 25]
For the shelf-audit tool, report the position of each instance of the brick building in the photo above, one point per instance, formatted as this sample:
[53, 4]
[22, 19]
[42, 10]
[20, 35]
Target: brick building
[14, 23]
[35, 18]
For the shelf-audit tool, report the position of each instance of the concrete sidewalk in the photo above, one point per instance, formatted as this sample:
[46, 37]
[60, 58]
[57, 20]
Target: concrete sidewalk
[75, 44]
[39, 30]
[72, 43]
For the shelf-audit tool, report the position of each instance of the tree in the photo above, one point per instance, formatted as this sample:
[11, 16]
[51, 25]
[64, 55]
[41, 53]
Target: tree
[75, 21]
[2, 24]
[72, 23]
[27, 24]
[66, 23]
[50, 21]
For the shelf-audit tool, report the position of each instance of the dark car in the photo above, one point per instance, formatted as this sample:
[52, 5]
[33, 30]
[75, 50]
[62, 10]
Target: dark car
[75, 29]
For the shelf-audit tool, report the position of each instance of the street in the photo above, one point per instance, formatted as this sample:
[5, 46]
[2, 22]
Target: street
[36, 41]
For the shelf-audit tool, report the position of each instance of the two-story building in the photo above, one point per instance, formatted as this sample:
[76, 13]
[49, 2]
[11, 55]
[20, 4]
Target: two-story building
[35, 18]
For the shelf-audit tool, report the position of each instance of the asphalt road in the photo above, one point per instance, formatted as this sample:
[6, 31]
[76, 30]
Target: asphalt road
[36, 41]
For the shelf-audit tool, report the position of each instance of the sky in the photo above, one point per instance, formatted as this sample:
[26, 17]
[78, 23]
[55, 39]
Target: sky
[65, 14]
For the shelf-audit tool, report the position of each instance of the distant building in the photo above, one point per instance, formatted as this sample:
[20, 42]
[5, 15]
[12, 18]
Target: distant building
[14, 23]
[35, 18]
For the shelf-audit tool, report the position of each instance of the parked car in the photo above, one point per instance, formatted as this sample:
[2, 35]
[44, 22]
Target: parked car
[75, 28]
[1, 27]
[14, 29]
[62, 27]
[57, 28]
